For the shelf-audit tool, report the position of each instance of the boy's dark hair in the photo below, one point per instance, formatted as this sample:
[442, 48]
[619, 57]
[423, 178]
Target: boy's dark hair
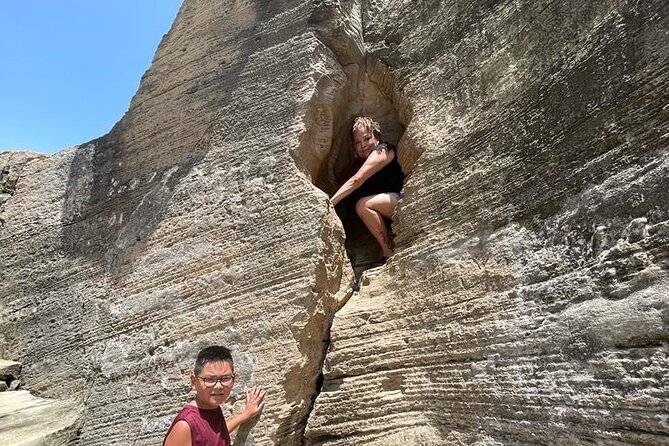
[215, 353]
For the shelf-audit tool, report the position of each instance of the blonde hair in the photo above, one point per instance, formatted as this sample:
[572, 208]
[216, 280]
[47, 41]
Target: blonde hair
[366, 123]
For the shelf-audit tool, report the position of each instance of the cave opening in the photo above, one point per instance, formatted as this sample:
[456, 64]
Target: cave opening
[327, 153]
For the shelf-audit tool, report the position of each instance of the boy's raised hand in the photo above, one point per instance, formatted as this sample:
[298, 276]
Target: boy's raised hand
[255, 401]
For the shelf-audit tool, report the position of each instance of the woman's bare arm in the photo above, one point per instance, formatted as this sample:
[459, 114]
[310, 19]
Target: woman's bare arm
[377, 160]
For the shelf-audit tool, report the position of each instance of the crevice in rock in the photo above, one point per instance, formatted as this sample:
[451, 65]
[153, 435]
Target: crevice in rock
[360, 85]
[319, 380]
[311, 330]
[351, 84]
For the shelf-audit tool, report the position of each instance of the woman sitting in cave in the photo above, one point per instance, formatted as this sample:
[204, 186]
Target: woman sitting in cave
[376, 185]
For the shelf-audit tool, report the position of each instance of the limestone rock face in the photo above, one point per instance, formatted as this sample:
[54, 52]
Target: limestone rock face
[528, 302]
[32, 421]
[528, 299]
[11, 165]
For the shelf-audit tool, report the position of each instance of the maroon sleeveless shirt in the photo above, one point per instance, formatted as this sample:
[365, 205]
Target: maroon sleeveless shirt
[207, 426]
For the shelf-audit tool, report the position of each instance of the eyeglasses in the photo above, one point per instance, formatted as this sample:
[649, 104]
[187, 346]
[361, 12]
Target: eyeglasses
[210, 381]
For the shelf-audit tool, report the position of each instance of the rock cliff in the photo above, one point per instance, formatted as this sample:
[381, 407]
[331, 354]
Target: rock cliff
[528, 299]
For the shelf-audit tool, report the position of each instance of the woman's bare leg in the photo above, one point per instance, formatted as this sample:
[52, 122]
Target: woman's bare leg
[371, 211]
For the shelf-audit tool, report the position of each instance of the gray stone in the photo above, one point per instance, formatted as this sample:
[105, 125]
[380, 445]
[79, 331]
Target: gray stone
[10, 375]
[637, 229]
[32, 421]
[9, 369]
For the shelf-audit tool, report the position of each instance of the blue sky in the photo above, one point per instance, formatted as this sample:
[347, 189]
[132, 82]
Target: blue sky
[68, 68]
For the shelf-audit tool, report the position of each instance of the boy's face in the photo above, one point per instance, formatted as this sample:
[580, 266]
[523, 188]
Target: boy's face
[212, 397]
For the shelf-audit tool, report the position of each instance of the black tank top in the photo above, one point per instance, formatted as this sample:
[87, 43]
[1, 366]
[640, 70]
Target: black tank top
[388, 179]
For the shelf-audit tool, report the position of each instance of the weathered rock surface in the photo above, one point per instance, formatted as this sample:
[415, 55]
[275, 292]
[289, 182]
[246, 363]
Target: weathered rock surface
[10, 369]
[11, 167]
[30, 421]
[10, 374]
[528, 299]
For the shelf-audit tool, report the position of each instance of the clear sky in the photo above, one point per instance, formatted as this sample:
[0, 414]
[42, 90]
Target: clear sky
[68, 68]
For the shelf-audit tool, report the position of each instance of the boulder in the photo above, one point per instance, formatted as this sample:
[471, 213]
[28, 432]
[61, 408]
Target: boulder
[10, 374]
[9, 370]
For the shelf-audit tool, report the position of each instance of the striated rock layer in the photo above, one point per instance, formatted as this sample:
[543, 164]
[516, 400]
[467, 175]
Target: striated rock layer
[528, 299]
[528, 302]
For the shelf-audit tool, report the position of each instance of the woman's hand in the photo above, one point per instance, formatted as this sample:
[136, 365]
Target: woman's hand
[377, 160]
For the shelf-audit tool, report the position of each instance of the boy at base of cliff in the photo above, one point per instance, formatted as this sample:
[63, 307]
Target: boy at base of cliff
[201, 422]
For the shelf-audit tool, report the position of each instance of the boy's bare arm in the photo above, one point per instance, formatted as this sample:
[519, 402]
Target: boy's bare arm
[255, 401]
[179, 435]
